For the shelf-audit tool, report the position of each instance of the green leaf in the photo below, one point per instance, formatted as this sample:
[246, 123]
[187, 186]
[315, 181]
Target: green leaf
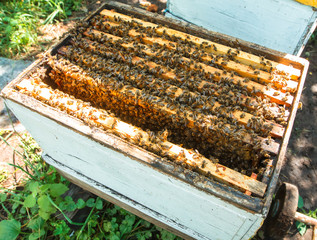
[147, 234]
[123, 212]
[34, 210]
[58, 200]
[300, 202]
[15, 206]
[63, 179]
[140, 237]
[37, 234]
[166, 235]
[113, 236]
[57, 189]
[43, 214]
[130, 219]
[107, 226]
[36, 223]
[127, 223]
[90, 202]
[301, 227]
[33, 187]
[9, 229]
[6, 19]
[114, 224]
[124, 228]
[23, 210]
[144, 235]
[71, 207]
[93, 221]
[313, 214]
[44, 203]
[146, 223]
[80, 203]
[44, 188]
[99, 204]
[3, 197]
[29, 201]
[111, 211]
[111, 226]
[61, 229]
[46, 208]
[68, 204]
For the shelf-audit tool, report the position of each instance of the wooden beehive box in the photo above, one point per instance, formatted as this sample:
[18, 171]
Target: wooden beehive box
[282, 25]
[153, 175]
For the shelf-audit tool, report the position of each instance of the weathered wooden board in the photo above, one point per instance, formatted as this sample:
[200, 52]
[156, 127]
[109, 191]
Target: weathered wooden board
[222, 173]
[195, 213]
[279, 163]
[134, 178]
[282, 25]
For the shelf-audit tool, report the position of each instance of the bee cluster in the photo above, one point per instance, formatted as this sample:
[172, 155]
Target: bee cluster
[177, 90]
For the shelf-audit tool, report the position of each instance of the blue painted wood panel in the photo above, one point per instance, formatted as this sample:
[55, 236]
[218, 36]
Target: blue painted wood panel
[283, 25]
[181, 206]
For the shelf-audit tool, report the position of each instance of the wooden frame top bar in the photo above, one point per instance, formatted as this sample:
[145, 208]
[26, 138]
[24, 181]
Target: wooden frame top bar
[60, 100]
[259, 205]
[242, 56]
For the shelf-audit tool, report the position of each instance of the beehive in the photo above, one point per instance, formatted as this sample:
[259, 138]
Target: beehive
[208, 107]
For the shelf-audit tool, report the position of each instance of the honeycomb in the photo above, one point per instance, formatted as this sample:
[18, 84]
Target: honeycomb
[191, 101]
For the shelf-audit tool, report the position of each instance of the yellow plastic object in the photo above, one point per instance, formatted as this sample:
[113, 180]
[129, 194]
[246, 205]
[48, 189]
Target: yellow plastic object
[312, 3]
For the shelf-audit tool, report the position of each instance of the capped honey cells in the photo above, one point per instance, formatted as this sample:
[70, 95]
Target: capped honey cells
[189, 100]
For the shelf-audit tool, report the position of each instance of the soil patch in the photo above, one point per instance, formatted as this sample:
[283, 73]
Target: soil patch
[11, 176]
[300, 165]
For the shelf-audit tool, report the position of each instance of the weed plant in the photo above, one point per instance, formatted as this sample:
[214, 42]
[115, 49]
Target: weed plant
[302, 227]
[20, 20]
[32, 211]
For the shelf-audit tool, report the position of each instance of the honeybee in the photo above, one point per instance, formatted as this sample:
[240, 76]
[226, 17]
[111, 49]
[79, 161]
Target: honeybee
[284, 99]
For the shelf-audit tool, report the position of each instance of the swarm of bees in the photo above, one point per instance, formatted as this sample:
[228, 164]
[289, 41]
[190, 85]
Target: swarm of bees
[176, 90]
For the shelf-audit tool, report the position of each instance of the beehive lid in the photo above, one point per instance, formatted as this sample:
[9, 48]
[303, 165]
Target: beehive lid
[282, 25]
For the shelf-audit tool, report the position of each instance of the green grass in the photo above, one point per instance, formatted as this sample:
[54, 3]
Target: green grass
[20, 20]
[3, 175]
[31, 212]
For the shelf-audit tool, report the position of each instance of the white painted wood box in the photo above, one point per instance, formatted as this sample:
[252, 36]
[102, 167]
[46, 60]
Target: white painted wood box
[181, 201]
[282, 25]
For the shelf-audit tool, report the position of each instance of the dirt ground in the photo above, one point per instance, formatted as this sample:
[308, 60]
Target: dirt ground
[300, 165]
[11, 176]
